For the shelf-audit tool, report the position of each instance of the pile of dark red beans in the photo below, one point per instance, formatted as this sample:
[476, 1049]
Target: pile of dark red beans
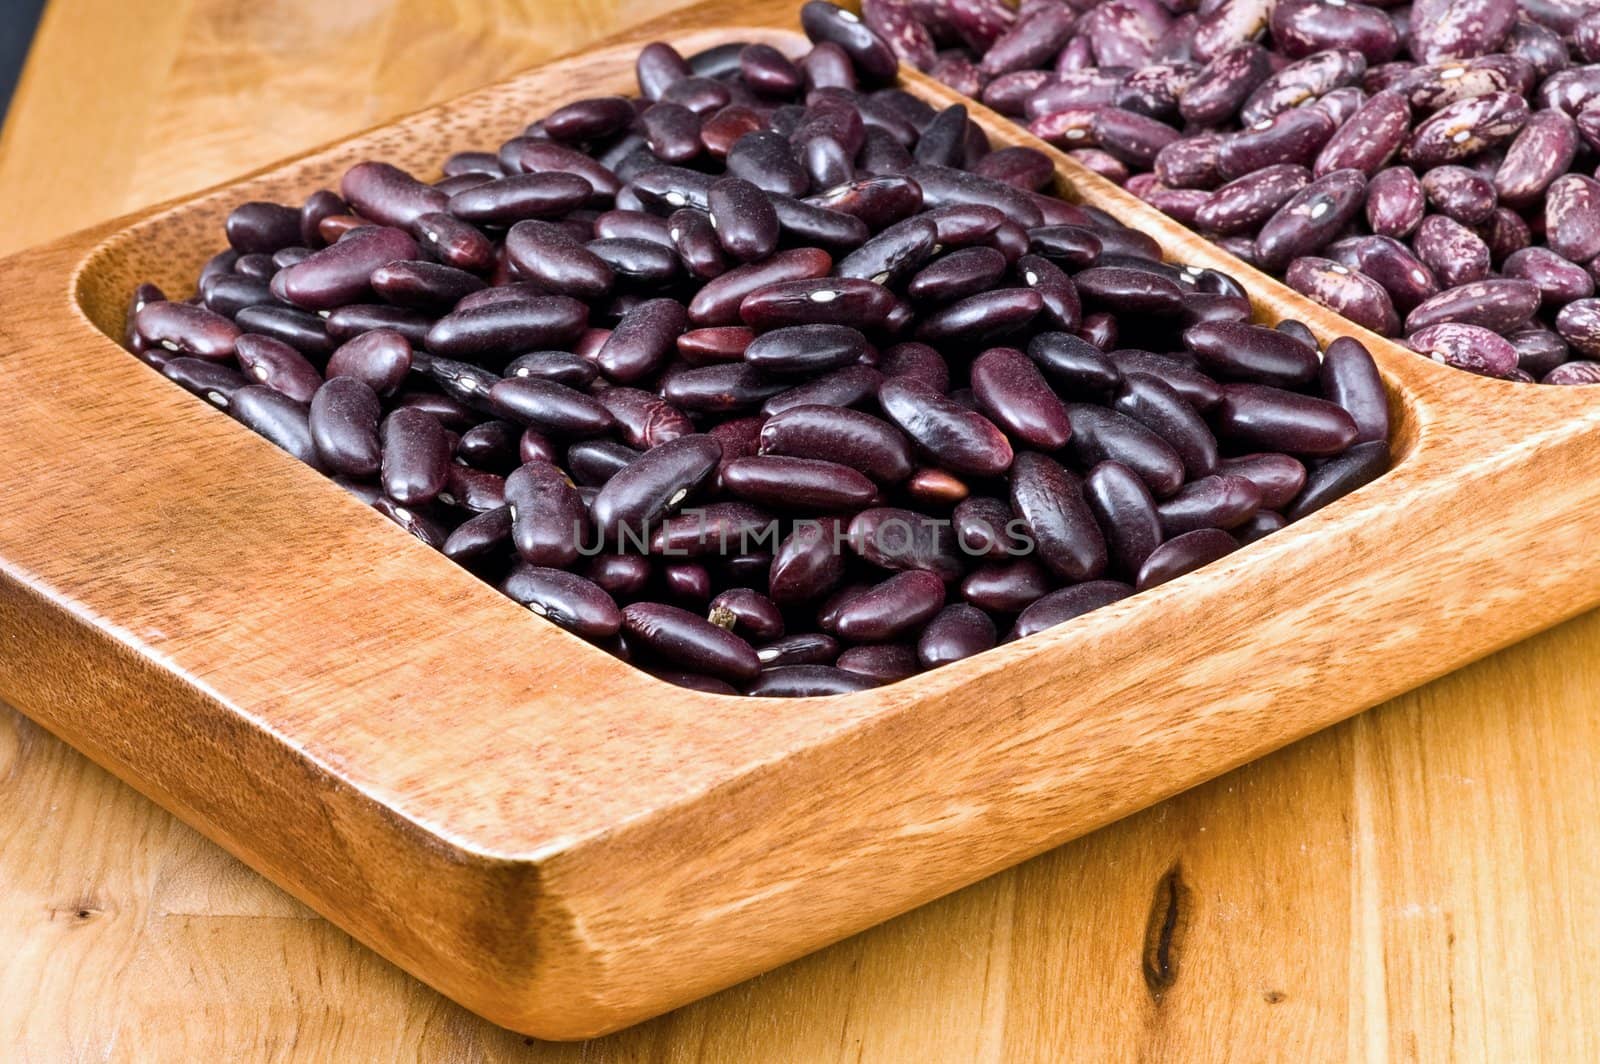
[1415, 168]
[774, 380]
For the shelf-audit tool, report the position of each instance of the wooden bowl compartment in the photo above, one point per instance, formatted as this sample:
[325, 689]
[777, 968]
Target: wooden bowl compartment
[558, 840]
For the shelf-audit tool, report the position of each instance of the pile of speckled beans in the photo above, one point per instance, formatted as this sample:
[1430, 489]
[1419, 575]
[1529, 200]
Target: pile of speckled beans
[1421, 169]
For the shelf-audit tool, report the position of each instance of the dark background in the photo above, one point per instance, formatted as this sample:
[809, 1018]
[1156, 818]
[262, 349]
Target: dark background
[17, 20]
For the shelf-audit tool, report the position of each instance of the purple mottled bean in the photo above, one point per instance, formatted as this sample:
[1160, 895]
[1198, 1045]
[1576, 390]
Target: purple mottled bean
[1574, 373]
[1129, 136]
[1224, 83]
[1572, 217]
[1391, 264]
[1246, 202]
[1578, 323]
[1460, 193]
[1345, 291]
[1302, 83]
[1310, 219]
[1498, 304]
[1467, 347]
[1454, 253]
[1559, 280]
[1369, 139]
[1459, 29]
[1465, 128]
[1395, 202]
[1541, 152]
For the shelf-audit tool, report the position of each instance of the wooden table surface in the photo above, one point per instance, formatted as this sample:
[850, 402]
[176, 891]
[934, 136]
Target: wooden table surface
[1415, 883]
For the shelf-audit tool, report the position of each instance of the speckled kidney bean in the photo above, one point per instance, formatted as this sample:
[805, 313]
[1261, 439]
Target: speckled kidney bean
[1390, 263]
[1245, 202]
[1572, 217]
[1190, 163]
[1468, 347]
[1559, 280]
[1578, 323]
[1224, 83]
[1497, 304]
[1295, 136]
[1459, 29]
[1454, 253]
[1574, 373]
[1311, 218]
[1460, 193]
[1465, 128]
[1301, 83]
[1395, 202]
[1344, 291]
[1369, 139]
[1571, 91]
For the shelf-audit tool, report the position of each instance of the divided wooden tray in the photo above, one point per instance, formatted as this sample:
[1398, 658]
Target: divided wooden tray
[559, 841]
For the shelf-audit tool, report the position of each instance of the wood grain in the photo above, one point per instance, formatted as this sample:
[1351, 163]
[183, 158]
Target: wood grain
[1053, 944]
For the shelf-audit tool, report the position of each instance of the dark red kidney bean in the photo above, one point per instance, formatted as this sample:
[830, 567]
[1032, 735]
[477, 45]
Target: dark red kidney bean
[985, 527]
[479, 538]
[453, 242]
[591, 119]
[1159, 407]
[1074, 245]
[1463, 194]
[1239, 351]
[211, 381]
[593, 462]
[900, 604]
[1197, 389]
[671, 187]
[389, 196]
[1126, 513]
[671, 132]
[1497, 304]
[1572, 217]
[720, 131]
[696, 242]
[1184, 554]
[452, 413]
[1061, 606]
[1051, 503]
[724, 343]
[1542, 151]
[473, 162]
[564, 598]
[255, 267]
[1579, 325]
[694, 681]
[653, 485]
[882, 154]
[303, 331]
[342, 272]
[806, 348]
[748, 613]
[1291, 137]
[718, 302]
[1074, 363]
[849, 386]
[451, 185]
[916, 360]
[274, 415]
[426, 286]
[338, 226]
[809, 562]
[643, 340]
[1350, 378]
[142, 295]
[961, 273]
[505, 329]
[1395, 202]
[379, 358]
[1220, 501]
[1468, 347]
[1007, 587]
[560, 366]
[1099, 435]
[718, 528]
[1465, 128]
[894, 538]
[1013, 394]
[1391, 264]
[1454, 253]
[418, 524]
[632, 225]
[1559, 280]
[1261, 525]
[1061, 306]
[1130, 291]
[817, 225]
[416, 456]
[1344, 291]
[719, 389]
[1338, 477]
[1277, 477]
[1459, 29]
[1245, 202]
[229, 293]
[187, 329]
[828, 66]
[936, 487]
[1299, 330]
[548, 519]
[258, 226]
[642, 419]
[1311, 218]
[1539, 350]
[319, 205]
[822, 301]
[893, 255]
[961, 440]
[657, 67]
[856, 439]
[869, 54]
[278, 366]
[490, 445]
[511, 199]
[642, 261]
[548, 256]
[942, 187]
[1018, 166]
[549, 407]
[956, 632]
[787, 482]
[1574, 373]
[1369, 139]
[1301, 27]
[343, 423]
[878, 201]
[943, 140]
[745, 221]
[1263, 417]
[1133, 138]
[807, 681]
[764, 159]
[1224, 83]
[534, 446]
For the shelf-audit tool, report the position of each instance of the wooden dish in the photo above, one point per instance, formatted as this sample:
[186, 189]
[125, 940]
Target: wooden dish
[567, 845]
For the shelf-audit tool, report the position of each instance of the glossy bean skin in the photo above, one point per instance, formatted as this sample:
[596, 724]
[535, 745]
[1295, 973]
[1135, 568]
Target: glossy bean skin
[1184, 554]
[806, 348]
[716, 528]
[1310, 219]
[960, 439]
[1462, 194]
[1454, 253]
[1100, 435]
[807, 681]
[1239, 351]
[1578, 323]
[1403, 276]
[278, 366]
[1061, 606]
[1465, 128]
[638, 496]
[1498, 304]
[891, 608]
[1247, 201]
[388, 195]
[186, 329]
[564, 598]
[1350, 378]
[780, 481]
[956, 632]
[1344, 291]
[1014, 395]
[894, 538]
[416, 456]
[1126, 513]
[343, 420]
[1572, 217]
[549, 407]
[548, 519]
[852, 437]
[1559, 280]
[380, 358]
[1159, 407]
[809, 562]
[550, 257]
[1395, 202]
[1218, 501]
[500, 330]
[1542, 151]
[688, 640]
[1050, 502]
[718, 302]
[1293, 137]
[1334, 479]
[1266, 418]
